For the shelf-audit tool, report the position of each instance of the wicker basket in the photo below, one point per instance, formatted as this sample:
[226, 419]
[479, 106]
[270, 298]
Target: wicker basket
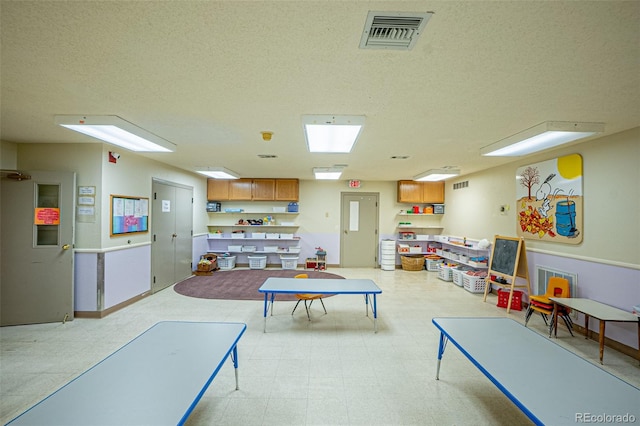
[412, 263]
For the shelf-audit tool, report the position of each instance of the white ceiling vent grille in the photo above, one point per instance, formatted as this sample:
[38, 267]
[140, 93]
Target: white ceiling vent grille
[393, 30]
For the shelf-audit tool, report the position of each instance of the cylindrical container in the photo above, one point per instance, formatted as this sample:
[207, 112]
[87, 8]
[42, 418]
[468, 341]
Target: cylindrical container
[566, 218]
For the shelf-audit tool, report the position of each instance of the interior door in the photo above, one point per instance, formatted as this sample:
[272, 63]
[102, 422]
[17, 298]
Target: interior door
[36, 285]
[359, 224]
[172, 225]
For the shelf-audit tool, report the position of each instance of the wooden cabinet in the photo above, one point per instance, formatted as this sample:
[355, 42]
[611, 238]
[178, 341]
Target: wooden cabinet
[410, 191]
[433, 192]
[263, 189]
[287, 190]
[252, 190]
[217, 190]
[240, 189]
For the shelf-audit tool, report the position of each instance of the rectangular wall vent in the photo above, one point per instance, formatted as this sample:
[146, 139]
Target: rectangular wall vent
[542, 277]
[393, 30]
[460, 185]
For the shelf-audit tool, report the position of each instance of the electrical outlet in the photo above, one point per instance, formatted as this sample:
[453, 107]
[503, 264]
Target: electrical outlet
[504, 209]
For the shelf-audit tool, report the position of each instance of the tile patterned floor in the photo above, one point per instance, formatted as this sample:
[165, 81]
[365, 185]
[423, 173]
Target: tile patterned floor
[331, 371]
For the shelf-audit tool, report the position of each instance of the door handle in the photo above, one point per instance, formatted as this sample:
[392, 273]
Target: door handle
[66, 247]
[174, 235]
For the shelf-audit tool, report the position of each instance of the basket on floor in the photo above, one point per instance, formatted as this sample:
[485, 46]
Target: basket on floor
[226, 263]
[412, 263]
[257, 262]
[289, 262]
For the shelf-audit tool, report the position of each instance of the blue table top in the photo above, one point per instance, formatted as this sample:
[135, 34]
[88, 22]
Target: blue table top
[155, 379]
[549, 383]
[319, 286]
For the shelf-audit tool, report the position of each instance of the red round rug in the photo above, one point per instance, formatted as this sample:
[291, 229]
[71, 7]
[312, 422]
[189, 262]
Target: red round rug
[240, 284]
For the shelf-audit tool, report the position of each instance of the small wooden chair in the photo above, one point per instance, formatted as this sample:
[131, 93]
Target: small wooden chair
[307, 297]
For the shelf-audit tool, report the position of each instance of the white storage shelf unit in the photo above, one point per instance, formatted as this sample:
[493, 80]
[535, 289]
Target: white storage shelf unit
[463, 251]
[226, 244]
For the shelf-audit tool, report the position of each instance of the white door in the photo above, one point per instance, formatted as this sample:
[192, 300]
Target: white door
[359, 224]
[36, 284]
[172, 232]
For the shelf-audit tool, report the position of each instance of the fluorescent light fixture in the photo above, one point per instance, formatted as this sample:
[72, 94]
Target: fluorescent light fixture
[219, 173]
[332, 133]
[436, 175]
[543, 136]
[115, 130]
[327, 173]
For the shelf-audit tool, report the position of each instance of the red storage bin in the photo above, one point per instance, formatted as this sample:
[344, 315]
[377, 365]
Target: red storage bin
[516, 299]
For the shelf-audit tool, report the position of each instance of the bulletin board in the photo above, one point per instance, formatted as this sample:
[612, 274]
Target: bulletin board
[129, 215]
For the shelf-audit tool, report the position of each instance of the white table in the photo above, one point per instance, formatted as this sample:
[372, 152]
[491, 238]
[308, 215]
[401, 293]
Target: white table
[155, 379]
[551, 385]
[600, 311]
[275, 285]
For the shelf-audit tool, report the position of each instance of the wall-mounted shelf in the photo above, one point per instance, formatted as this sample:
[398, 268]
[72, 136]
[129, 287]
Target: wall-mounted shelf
[418, 227]
[252, 213]
[254, 226]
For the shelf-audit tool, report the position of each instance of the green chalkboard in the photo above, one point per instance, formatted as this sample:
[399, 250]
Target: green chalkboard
[505, 255]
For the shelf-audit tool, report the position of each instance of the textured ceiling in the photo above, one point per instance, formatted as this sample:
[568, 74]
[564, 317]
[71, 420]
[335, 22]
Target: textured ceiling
[211, 75]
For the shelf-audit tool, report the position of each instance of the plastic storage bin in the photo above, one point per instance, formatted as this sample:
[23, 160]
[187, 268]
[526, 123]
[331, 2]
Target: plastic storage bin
[226, 263]
[445, 273]
[433, 265]
[289, 262]
[516, 299]
[257, 262]
[473, 284]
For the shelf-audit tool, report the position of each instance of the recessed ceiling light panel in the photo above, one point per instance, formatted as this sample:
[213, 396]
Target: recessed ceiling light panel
[332, 133]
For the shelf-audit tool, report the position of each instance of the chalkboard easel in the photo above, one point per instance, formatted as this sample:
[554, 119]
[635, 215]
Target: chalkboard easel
[508, 261]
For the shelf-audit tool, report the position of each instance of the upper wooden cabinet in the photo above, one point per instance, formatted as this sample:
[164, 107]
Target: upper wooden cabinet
[252, 190]
[287, 190]
[410, 191]
[263, 189]
[217, 189]
[240, 189]
[433, 192]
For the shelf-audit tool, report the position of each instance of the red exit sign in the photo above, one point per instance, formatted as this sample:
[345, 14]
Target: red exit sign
[354, 183]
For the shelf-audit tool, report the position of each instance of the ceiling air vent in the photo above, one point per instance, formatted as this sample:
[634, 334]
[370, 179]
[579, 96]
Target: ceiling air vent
[393, 30]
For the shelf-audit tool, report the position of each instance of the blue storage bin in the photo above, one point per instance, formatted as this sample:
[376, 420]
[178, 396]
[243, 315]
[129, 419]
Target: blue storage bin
[292, 208]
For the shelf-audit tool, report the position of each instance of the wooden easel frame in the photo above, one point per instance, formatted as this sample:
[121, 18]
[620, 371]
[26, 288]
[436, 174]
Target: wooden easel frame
[520, 270]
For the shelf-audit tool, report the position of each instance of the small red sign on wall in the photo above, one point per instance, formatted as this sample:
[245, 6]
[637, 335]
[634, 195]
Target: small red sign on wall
[46, 216]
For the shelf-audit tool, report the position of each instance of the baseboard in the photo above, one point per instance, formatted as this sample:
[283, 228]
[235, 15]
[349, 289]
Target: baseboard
[613, 344]
[104, 313]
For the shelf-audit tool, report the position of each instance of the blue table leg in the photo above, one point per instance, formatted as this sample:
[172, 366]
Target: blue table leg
[366, 304]
[234, 358]
[266, 309]
[375, 314]
[441, 348]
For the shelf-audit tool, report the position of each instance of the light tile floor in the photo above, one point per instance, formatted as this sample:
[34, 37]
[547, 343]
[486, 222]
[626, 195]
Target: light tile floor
[333, 370]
